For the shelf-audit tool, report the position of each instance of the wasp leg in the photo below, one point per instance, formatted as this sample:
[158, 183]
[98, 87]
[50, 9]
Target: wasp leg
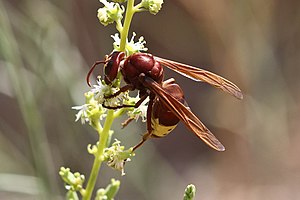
[121, 90]
[145, 137]
[136, 105]
[118, 107]
[127, 121]
[148, 134]
[91, 70]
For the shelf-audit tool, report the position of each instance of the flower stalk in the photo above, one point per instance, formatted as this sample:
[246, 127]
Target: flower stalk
[93, 111]
[99, 156]
[128, 17]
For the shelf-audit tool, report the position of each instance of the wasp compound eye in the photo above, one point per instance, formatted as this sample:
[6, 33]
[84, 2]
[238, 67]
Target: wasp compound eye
[112, 65]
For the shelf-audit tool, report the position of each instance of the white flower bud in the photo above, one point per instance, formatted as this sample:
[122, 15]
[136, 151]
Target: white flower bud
[153, 6]
[110, 13]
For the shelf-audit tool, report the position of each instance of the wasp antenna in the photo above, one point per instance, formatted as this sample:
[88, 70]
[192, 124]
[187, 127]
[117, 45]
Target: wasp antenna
[91, 71]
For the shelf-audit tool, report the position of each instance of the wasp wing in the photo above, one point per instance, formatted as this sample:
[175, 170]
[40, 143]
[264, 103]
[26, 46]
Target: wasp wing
[184, 114]
[198, 74]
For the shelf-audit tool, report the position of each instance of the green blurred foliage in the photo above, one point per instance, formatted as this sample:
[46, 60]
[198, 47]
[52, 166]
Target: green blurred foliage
[47, 47]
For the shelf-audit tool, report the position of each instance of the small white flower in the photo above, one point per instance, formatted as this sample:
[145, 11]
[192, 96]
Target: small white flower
[131, 46]
[117, 157]
[90, 111]
[117, 41]
[82, 113]
[115, 101]
[99, 91]
[138, 46]
[140, 112]
[118, 164]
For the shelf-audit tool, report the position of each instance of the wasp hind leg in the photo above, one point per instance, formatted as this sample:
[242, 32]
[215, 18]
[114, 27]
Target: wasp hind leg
[148, 134]
[145, 137]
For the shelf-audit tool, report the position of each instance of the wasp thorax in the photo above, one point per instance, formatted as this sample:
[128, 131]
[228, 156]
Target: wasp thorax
[141, 63]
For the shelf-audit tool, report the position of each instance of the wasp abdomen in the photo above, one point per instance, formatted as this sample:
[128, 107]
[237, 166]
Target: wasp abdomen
[160, 130]
[163, 120]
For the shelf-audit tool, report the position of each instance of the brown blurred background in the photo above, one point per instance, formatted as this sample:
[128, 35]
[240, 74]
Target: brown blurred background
[47, 47]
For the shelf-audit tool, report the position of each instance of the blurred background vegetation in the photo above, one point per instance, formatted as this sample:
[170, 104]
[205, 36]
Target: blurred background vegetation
[47, 47]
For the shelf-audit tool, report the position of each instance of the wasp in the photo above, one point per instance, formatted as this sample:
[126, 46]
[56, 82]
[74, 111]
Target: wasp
[167, 106]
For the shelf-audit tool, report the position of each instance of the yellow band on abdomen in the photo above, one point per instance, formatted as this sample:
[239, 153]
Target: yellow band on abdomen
[161, 130]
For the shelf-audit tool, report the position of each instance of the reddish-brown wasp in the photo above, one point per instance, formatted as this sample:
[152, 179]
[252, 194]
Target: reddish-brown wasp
[169, 107]
[144, 72]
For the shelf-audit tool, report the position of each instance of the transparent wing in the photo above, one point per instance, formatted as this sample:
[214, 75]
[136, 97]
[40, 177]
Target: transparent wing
[198, 74]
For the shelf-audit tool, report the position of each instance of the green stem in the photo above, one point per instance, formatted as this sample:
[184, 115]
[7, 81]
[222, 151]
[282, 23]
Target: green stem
[119, 26]
[130, 10]
[104, 134]
[120, 112]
